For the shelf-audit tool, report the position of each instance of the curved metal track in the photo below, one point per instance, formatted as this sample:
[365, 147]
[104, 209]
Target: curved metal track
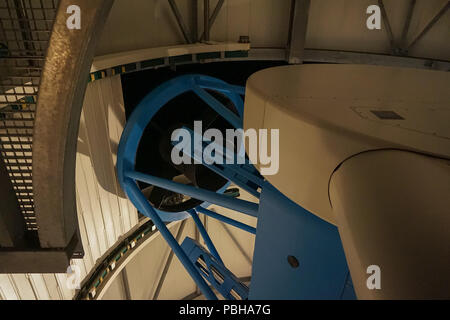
[63, 84]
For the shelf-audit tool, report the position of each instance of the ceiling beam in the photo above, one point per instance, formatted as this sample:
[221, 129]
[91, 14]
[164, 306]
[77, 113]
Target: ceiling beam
[430, 24]
[348, 57]
[213, 17]
[180, 21]
[332, 56]
[411, 6]
[297, 30]
[194, 20]
[387, 25]
[206, 19]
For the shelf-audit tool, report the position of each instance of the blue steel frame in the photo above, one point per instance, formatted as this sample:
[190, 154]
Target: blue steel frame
[225, 282]
[128, 177]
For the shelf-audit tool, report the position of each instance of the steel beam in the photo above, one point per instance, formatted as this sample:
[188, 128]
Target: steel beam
[206, 239]
[194, 21]
[180, 21]
[336, 56]
[141, 202]
[387, 25]
[213, 17]
[247, 207]
[297, 31]
[332, 56]
[411, 6]
[206, 19]
[430, 24]
[226, 220]
[30, 261]
[63, 84]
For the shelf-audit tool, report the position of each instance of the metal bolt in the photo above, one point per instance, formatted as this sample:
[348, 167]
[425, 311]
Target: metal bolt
[293, 262]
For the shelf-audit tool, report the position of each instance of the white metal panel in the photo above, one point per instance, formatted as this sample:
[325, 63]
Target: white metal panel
[66, 293]
[7, 289]
[52, 285]
[39, 286]
[100, 165]
[116, 122]
[87, 191]
[92, 242]
[106, 213]
[23, 286]
[89, 241]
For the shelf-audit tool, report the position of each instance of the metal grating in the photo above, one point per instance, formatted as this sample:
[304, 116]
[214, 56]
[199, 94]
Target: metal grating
[25, 28]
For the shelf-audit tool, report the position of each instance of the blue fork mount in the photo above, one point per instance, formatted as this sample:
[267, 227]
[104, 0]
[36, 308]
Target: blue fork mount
[284, 228]
[287, 230]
